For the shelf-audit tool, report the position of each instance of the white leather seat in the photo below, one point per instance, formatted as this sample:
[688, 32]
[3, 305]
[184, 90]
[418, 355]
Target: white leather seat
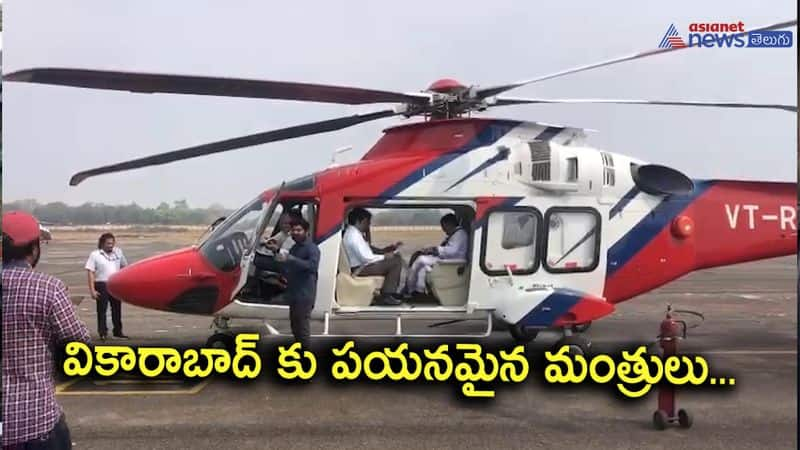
[447, 284]
[352, 290]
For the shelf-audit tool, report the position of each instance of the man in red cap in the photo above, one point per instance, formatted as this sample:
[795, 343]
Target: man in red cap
[37, 314]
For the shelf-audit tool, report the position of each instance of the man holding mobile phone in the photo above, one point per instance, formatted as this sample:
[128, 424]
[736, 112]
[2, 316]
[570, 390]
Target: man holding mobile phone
[367, 260]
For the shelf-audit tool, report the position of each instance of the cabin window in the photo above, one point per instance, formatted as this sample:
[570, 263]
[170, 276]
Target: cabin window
[573, 240]
[228, 242]
[510, 241]
[305, 183]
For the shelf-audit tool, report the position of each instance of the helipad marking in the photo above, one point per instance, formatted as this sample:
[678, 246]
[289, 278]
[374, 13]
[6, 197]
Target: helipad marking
[62, 389]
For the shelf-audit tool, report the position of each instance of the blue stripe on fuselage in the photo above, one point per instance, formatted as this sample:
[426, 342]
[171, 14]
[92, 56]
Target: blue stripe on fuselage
[623, 202]
[640, 235]
[547, 134]
[488, 136]
[506, 203]
[483, 166]
[551, 308]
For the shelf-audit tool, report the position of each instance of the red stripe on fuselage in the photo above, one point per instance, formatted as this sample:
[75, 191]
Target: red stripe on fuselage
[745, 221]
[723, 234]
[437, 137]
[394, 158]
[588, 309]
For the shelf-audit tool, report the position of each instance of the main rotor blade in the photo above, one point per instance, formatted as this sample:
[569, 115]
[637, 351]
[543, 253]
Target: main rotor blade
[235, 143]
[505, 101]
[229, 87]
[491, 91]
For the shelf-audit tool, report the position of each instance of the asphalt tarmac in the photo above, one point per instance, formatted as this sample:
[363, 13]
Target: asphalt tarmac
[749, 332]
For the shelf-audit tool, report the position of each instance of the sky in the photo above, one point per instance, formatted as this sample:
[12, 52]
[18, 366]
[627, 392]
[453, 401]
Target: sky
[52, 132]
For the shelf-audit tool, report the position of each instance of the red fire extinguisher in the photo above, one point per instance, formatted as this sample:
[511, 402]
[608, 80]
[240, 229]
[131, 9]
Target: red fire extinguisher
[671, 331]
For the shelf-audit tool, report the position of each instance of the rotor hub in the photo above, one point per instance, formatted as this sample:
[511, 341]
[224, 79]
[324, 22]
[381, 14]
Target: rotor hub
[446, 86]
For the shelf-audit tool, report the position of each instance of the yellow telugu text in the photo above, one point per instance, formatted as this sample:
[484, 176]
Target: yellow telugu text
[433, 366]
[154, 361]
[635, 369]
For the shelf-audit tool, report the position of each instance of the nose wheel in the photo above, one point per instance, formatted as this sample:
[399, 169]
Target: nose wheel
[578, 345]
[223, 341]
[522, 335]
[222, 337]
[581, 327]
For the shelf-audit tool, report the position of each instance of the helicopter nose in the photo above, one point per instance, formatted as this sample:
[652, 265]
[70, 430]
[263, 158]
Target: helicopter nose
[161, 281]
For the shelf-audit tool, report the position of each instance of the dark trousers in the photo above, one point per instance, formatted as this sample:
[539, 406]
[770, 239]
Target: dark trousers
[390, 267]
[104, 298]
[300, 318]
[57, 439]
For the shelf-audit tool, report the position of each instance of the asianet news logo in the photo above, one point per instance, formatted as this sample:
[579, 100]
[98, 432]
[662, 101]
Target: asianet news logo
[725, 35]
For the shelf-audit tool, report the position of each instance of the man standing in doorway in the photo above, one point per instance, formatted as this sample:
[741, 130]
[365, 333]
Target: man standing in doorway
[102, 263]
[300, 267]
[37, 314]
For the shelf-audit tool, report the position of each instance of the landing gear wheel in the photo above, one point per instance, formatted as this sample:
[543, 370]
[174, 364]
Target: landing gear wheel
[578, 345]
[224, 341]
[499, 325]
[522, 335]
[660, 420]
[684, 418]
[581, 327]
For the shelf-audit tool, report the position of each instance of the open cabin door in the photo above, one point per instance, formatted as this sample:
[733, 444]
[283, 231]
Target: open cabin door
[416, 222]
[249, 253]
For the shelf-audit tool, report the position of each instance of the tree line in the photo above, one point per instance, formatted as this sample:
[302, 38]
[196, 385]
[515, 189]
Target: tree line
[179, 213]
[59, 213]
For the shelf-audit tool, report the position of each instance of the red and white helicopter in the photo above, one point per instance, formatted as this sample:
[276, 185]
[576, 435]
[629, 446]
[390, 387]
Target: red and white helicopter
[560, 232]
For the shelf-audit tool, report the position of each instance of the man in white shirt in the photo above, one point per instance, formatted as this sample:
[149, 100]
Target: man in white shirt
[367, 260]
[102, 263]
[454, 247]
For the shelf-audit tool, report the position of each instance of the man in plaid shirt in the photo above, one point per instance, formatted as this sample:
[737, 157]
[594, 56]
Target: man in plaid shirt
[37, 314]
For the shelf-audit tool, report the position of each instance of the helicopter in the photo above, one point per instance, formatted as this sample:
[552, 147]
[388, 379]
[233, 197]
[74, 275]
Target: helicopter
[559, 232]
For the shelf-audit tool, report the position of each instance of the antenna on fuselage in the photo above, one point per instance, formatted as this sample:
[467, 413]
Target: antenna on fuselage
[338, 151]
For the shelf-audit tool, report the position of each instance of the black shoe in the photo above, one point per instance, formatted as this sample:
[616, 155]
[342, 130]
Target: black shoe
[103, 336]
[388, 300]
[120, 336]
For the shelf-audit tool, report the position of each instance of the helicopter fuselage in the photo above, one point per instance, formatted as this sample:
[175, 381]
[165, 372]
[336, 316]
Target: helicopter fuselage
[560, 232]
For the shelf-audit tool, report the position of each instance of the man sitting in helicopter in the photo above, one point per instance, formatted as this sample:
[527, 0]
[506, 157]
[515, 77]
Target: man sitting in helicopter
[454, 247]
[367, 260]
[270, 281]
[283, 237]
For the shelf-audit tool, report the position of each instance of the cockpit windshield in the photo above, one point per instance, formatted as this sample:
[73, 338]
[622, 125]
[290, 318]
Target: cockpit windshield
[226, 244]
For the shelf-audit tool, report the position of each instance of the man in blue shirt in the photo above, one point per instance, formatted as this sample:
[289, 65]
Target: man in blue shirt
[299, 266]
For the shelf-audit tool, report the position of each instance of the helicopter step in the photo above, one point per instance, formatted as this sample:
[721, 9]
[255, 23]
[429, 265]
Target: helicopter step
[421, 312]
[398, 327]
[223, 333]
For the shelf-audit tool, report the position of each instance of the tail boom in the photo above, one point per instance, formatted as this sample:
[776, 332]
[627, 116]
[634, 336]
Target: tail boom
[722, 223]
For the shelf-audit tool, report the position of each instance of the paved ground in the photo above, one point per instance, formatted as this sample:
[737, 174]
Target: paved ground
[750, 332]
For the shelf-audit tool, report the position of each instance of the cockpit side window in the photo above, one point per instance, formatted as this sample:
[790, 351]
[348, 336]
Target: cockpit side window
[225, 246]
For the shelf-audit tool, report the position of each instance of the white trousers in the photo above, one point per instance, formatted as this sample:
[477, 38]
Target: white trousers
[415, 281]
